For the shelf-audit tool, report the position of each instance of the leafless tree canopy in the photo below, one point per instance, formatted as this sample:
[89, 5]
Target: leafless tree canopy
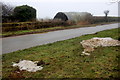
[114, 1]
[7, 9]
[106, 12]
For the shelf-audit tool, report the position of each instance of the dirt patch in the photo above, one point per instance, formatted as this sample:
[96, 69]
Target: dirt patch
[16, 74]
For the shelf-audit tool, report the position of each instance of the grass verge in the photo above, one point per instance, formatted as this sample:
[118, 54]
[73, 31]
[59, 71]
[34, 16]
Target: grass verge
[43, 30]
[65, 61]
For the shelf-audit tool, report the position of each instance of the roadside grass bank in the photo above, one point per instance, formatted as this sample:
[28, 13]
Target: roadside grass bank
[63, 59]
[43, 30]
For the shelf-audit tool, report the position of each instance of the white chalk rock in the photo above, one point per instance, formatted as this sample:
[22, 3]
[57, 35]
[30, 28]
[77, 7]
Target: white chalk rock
[28, 66]
[92, 43]
[83, 53]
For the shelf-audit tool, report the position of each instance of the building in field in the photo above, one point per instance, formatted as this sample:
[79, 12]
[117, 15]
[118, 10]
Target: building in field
[74, 16]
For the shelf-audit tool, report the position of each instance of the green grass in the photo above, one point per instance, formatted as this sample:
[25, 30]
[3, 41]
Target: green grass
[23, 32]
[65, 60]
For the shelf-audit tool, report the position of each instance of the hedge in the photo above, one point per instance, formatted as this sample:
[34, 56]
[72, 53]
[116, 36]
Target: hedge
[103, 19]
[31, 25]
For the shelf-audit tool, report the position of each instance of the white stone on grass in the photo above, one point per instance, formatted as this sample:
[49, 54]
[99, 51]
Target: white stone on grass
[91, 44]
[28, 66]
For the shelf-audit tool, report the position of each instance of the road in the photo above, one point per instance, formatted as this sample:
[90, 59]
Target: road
[11, 44]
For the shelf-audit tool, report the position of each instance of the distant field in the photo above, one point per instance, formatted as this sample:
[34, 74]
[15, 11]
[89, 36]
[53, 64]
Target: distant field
[64, 60]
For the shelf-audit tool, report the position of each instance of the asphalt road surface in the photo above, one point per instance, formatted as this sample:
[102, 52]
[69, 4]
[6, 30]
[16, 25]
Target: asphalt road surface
[11, 44]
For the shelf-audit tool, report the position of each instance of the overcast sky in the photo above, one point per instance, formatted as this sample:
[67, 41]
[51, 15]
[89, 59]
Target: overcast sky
[48, 8]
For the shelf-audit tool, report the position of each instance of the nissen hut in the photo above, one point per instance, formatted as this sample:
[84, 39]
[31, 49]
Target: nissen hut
[74, 16]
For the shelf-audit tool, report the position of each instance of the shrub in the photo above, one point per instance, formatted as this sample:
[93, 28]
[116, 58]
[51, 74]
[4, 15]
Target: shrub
[24, 13]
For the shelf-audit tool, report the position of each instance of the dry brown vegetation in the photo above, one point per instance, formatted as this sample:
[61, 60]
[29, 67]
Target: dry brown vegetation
[32, 25]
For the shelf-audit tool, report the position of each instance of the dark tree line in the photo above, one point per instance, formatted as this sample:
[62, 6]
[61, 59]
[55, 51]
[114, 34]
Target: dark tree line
[19, 13]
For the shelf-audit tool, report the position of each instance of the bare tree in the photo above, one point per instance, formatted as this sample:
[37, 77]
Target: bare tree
[7, 9]
[106, 13]
[114, 1]
[6, 12]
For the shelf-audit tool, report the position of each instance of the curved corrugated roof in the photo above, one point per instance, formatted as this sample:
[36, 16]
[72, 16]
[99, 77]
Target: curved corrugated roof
[77, 16]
